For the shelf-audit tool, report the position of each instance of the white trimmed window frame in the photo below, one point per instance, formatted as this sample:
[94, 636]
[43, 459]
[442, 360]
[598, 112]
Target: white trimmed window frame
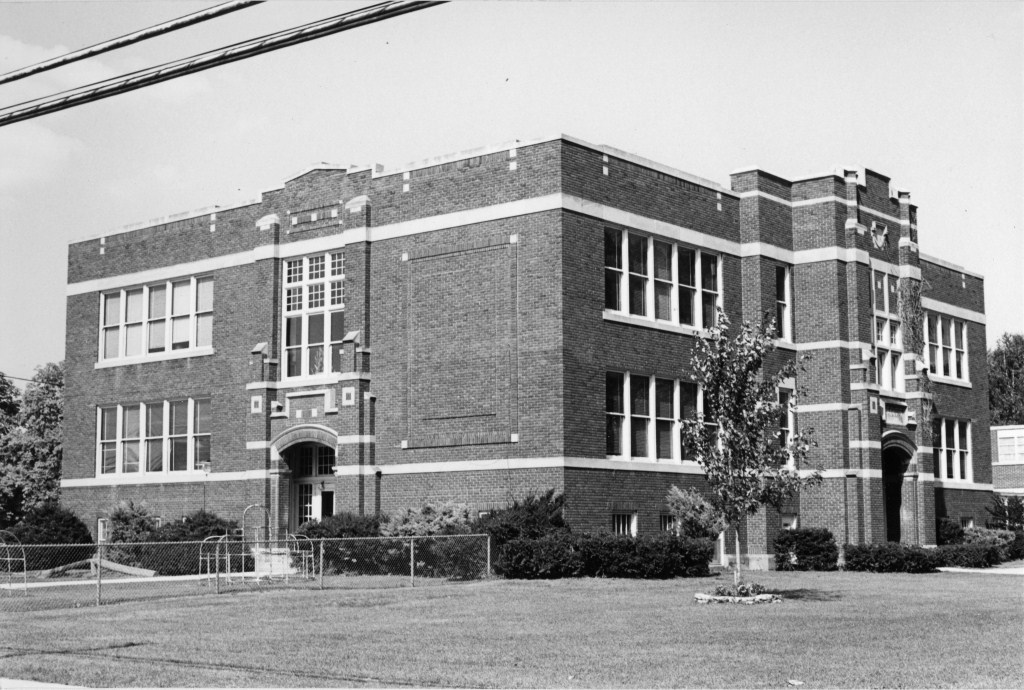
[308, 295]
[962, 465]
[652, 282]
[116, 331]
[143, 439]
[650, 420]
[784, 302]
[788, 417]
[887, 333]
[1010, 446]
[945, 340]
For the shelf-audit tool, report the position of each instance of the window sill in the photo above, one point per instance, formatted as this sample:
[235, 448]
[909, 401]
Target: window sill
[645, 322]
[157, 357]
[1007, 463]
[949, 381]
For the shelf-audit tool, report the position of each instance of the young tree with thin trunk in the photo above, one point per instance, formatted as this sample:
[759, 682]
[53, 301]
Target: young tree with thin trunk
[738, 440]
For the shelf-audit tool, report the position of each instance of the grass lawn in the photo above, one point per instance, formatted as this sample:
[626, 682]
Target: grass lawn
[834, 629]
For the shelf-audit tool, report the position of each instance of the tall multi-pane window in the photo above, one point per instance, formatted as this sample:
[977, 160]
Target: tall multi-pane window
[640, 415]
[947, 346]
[660, 280]
[314, 322]
[136, 438]
[157, 318]
[615, 407]
[783, 319]
[888, 333]
[638, 272]
[643, 416]
[612, 269]
[951, 439]
[108, 440]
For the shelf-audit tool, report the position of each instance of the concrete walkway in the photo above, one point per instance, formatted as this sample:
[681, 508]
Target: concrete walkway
[12, 684]
[982, 571]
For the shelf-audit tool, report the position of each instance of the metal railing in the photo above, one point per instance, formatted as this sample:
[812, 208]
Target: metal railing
[75, 575]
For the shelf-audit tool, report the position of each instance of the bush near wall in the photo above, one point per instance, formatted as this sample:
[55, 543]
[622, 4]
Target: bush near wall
[949, 532]
[564, 554]
[51, 524]
[1002, 539]
[967, 555]
[889, 558]
[812, 548]
[173, 548]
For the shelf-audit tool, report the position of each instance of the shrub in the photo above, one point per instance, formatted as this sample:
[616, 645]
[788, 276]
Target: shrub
[174, 547]
[1000, 538]
[531, 518]
[967, 555]
[431, 519]
[743, 589]
[131, 522]
[889, 558]
[949, 532]
[1006, 512]
[51, 524]
[812, 548]
[564, 554]
[1015, 552]
[694, 516]
[341, 526]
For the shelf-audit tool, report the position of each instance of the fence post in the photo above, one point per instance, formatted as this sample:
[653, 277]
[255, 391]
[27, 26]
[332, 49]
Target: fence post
[321, 564]
[412, 561]
[216, 557]
[488, 556]
[99, 573]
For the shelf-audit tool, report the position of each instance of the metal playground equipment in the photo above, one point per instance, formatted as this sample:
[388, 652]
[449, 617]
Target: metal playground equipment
[12, 558]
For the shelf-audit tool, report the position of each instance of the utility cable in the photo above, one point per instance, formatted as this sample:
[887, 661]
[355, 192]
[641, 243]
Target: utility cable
[214, 58]
[128, 39]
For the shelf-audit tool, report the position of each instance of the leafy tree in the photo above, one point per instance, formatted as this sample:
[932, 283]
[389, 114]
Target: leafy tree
[1006, 512]
[694, 515]
[737, 441]
[31, 449]
[1006, 380]
[48, 523]
[10, 404]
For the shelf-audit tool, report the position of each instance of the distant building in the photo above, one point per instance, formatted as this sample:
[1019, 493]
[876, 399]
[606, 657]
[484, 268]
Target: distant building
[490, 324]
[1008, 460]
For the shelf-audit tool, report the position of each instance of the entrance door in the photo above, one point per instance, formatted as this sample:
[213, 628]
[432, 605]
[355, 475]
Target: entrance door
[312, 485]
[894, 465]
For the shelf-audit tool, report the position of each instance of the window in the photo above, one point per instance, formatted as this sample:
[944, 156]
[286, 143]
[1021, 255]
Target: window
[951, 441]
[314, 321]
[668, 523]
[783, 321]
[624, 524]
[136, 438]
[1010, 445]
[660, 280]
[645, 413]
[785, 418]
[947, 346]
[966, 522]
[154, 319]
[889, 357]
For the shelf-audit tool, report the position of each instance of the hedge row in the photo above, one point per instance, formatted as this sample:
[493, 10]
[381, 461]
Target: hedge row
[564, 554]
[806, 549]
[898, 558]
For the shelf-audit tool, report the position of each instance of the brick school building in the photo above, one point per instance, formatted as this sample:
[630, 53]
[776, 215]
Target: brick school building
[490, 324]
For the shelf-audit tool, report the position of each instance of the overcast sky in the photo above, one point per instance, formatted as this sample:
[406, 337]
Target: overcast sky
[930, 94]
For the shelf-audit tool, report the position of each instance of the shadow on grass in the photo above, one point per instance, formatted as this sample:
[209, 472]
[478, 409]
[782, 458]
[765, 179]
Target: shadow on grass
[806, 594]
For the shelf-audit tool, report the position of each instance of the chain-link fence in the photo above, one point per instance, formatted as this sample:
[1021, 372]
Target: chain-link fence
[73, 575]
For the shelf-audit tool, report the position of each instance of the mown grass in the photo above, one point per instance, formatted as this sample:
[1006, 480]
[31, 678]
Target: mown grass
[833, 630]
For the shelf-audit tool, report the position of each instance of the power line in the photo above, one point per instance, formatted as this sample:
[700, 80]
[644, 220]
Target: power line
[128, 39]
[214, 58]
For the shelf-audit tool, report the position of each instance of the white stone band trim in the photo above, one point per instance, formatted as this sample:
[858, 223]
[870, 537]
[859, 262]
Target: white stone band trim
[841, 473]
[155, 357]
[822, 407]
[257, 445]
[652, 323]
[685, 467]
[962, 485]
[959, 312]
[819, 200]
[143, 478]
[866, 444]
[831, 345]
[356, 439]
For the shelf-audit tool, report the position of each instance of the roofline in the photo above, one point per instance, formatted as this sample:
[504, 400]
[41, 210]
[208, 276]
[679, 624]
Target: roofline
[950, 265]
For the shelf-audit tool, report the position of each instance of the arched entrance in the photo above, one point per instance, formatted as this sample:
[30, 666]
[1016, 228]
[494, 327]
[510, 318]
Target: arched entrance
[311, 495]
[897, 453]
[308, 488]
